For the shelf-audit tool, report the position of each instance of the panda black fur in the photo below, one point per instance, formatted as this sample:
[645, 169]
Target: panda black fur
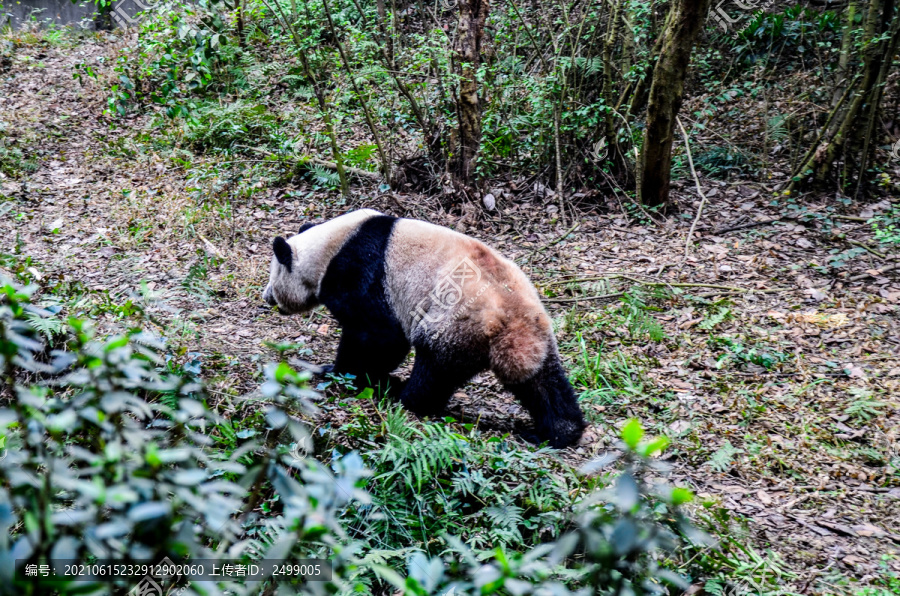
[396, 283]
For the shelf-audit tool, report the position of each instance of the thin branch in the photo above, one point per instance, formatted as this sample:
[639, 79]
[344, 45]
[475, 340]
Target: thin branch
[584, 298]
[546, 246]
[865, 246]
[687, 146]
[875, 272]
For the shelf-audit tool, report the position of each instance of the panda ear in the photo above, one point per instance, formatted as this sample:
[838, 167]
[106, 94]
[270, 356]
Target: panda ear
[305, 227]
[283, 252]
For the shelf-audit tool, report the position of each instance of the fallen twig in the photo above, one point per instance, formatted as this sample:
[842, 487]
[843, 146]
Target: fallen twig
[211, 247]
[875, 272]
[752, 224]
[687, 146]
[729, 289]
[349, 169]
[585, 298]
[546, 246]
[325, 164]
[865, 246]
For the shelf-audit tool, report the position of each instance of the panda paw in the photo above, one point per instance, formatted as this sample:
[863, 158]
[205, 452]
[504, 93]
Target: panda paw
[531, 436]
[325, 369]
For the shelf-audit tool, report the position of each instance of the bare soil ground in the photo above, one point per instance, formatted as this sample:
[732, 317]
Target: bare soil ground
[788, 426]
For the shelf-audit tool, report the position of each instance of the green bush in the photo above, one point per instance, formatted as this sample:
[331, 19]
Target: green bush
[106, 453]
[430, 481]
[96, 464]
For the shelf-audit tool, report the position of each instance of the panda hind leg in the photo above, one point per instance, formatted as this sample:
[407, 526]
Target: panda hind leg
[549, 398]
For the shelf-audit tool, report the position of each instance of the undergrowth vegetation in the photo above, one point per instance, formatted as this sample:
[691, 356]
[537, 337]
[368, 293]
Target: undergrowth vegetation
[111, 452]
[377, 90]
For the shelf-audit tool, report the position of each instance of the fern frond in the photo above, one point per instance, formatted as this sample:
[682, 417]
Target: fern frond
[710, 322]
[47, 326]
[723, 458]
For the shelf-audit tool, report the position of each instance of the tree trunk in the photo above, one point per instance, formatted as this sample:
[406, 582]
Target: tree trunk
[849, 138]
[843, 73]
[472, 17]
[239, 6]
[641, 89]
[666, 94]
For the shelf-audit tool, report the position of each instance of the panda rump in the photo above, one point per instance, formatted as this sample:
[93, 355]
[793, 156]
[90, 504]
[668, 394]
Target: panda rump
[393, 284]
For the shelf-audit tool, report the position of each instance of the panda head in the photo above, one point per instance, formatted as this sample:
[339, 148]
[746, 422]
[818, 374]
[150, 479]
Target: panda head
[292, 287]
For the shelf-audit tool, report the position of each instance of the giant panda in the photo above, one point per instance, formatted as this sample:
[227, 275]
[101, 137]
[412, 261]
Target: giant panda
[397, 283]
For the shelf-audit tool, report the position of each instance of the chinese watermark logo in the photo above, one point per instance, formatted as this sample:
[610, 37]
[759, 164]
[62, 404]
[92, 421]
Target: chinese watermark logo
[724, 20]
[448, 301]
[120, 14]
[448, 293]
[600, 150]
[149, 586]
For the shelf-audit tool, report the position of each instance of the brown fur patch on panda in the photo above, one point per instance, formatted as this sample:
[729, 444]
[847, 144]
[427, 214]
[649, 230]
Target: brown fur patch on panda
[458, 294]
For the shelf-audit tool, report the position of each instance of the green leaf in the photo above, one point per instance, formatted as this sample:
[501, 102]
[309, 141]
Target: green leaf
[284, 373]
[681, 496]
[657, 444]
[632, 433]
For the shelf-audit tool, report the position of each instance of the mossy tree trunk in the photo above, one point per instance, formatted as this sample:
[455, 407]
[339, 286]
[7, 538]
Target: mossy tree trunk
[472, 17]
[850, 126]
[682, 29]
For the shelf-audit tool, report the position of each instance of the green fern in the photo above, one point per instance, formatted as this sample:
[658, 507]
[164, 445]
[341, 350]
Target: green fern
[324, 176]
[506, 520]
[777, 126]
[48, 326]
[637, 320]
[266, 535]
[723, 458]
[435, 449]
[431, 480]
[864, 407]
[713, 320]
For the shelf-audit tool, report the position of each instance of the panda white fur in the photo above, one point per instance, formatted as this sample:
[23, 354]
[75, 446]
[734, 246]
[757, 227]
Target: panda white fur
[395, 283]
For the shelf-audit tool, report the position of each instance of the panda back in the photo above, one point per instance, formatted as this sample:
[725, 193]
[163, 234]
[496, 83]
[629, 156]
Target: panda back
[448, 288]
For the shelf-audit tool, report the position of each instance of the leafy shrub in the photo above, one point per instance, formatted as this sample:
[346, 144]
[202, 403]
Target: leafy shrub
[721, 162]
[105, 454]
[212, 126]
[179, 52]
[97, 465]
[617, 529]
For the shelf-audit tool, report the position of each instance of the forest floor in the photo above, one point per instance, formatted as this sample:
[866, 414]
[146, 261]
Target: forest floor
[770, 355]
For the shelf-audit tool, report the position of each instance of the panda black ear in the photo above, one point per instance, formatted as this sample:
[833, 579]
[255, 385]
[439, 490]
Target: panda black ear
[305, 227]
[283, 252]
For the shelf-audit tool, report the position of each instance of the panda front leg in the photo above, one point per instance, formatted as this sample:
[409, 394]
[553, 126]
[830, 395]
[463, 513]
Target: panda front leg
[433, 381]
[370, 356]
